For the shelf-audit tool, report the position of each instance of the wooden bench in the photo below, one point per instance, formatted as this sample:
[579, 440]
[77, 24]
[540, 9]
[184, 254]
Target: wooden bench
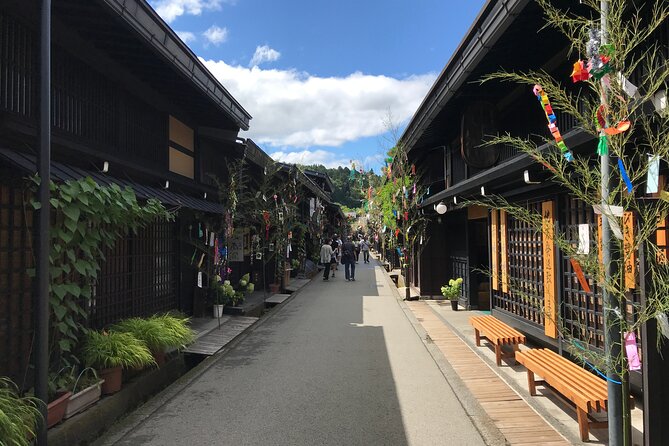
[498, 334]
[587, 391]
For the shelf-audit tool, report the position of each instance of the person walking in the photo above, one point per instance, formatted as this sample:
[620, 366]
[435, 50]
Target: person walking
[364, 247]
[356, 244]
[335, 256]
[326, 258]
[348, 259]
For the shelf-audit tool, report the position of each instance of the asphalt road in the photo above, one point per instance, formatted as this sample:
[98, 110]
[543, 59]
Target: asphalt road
[339, 364]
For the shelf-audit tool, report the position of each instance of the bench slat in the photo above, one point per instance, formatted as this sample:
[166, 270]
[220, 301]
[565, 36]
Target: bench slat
[596, 386]
[497, 331]
[573, 382]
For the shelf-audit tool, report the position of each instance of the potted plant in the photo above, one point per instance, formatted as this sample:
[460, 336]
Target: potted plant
[58, 395]
[110, 352]
[19, 415]
[159, 332]
[86, 391]
[295, 264]
[452, 292]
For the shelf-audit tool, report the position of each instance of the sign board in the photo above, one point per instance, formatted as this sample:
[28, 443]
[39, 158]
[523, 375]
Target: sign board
[236, 247]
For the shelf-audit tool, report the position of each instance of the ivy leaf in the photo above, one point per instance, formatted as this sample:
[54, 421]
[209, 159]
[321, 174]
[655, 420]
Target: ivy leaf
[59, 290]
[59, 311]
[72, 212]
[81, 266]
[73, 289]
[36, 205]
[54, 203]
[65, 345]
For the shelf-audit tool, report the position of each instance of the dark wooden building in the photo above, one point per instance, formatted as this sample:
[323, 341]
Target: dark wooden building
[443, 139]
[131, 105]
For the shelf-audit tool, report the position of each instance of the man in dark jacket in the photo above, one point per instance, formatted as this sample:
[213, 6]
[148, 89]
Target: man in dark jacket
[348, 259]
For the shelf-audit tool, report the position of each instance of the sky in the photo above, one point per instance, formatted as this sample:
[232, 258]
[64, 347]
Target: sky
[324, 81]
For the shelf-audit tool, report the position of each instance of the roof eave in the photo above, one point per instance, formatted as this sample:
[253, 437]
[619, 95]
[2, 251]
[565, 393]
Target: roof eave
[143, 19]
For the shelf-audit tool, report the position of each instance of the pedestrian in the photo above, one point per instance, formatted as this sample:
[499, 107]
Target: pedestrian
[364, 247]
[356, 245]
[335, 256]
[326, 257]
[348, 259]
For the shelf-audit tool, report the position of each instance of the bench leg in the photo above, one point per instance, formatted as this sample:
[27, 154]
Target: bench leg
[498, 354]
[531, 384]
[583, 424]
[477, 334]
[515, 349]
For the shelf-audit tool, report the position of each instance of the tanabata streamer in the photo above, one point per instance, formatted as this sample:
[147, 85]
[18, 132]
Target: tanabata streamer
[626, 178]
[632, 351]
[579, 275]
[552, 126]
[603, 146]
[653, 179]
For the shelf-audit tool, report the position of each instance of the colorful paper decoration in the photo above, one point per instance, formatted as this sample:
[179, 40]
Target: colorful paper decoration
[653, 179]
[632, 351]
[397, 232]
[406, 216]
[626, 178]
[603, 146]
[413, 169]
[552, 126]
[580, 72]
[579, 275]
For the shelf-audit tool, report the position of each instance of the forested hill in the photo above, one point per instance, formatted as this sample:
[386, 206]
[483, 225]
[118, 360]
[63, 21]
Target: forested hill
[349, 191]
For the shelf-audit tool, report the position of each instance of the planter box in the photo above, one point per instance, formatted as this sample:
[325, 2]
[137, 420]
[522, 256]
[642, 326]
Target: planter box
[218, 311]
[56, 409]
[84, 399]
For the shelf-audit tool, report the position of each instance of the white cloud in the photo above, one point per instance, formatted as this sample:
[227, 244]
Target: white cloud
[308, 157]
[216, 35]
[291, 108]
[264, 54]
[171, 9]
[186, 36]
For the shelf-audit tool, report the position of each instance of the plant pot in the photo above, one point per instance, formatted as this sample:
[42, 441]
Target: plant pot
[113, 379]
[274, 287]
[454, 305]
[83, 399]
[56, 409]
[159, 357]
[218, 311]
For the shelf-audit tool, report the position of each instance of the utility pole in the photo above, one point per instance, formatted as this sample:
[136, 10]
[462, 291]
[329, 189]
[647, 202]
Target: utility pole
[42, 270]
[612, 312]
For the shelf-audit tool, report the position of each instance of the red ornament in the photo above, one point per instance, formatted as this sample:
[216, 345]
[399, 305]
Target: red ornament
[580, 72]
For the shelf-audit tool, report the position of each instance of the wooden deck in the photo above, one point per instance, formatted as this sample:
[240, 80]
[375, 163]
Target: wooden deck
[517, 421]
[216, 339]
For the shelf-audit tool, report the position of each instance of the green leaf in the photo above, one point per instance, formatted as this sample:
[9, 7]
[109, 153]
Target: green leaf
[31, 272]
[81, 266]
[59, 290]
[65, 345]
[72, 212]
[73, 289]
[54, 203]
[36, 205]
[59, 311]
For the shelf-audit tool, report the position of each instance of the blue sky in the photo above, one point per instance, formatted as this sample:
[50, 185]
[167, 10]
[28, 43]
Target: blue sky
[321, 78]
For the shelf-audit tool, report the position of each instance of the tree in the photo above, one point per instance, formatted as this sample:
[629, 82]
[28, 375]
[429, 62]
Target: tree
[622, 118]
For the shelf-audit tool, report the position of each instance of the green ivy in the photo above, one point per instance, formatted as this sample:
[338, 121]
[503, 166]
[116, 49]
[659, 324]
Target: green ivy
[86, 219]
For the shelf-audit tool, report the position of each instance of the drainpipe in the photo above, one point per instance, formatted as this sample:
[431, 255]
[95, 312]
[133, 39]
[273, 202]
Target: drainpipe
[42, 267]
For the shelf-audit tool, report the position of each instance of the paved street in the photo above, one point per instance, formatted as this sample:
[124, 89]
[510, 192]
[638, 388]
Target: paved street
[340, 364]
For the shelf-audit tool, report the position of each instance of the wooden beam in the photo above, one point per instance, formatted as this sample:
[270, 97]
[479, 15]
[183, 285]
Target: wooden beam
[504, 252]
[494, 232]
[550, 284]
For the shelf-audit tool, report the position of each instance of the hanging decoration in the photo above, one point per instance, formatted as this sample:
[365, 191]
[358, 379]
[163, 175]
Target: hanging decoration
[266, 218]
[580, 72]
[413, 169]
[603, 146]
[552, 126]
[632, 351]
[626, 178]
[579, 275]
[599, 55]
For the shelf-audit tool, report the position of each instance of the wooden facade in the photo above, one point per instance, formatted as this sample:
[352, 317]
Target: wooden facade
[532, 283]
[117, 98]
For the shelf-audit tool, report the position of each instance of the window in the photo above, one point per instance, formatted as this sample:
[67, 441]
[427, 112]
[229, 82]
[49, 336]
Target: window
[181, 148]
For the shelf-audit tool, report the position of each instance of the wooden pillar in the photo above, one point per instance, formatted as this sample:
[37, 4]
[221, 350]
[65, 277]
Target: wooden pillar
[550, 282]
[503, 251]
[494, 234]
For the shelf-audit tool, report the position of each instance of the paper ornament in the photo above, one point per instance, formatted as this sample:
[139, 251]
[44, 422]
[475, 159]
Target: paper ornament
[580, 72]
[552, 126]
[632, 351]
